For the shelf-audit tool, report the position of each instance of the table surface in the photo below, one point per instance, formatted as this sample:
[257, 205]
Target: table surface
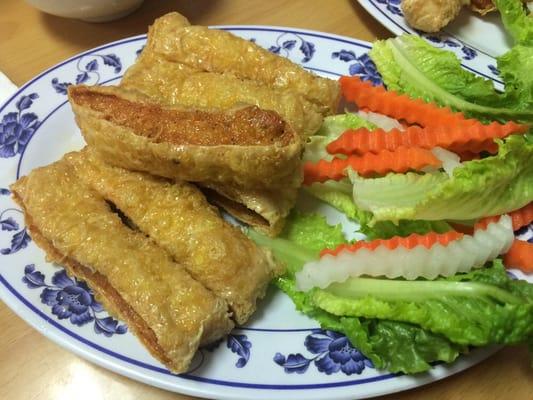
[31, 366]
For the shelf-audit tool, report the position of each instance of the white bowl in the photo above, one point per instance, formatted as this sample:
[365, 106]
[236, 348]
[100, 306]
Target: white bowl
[87, 10]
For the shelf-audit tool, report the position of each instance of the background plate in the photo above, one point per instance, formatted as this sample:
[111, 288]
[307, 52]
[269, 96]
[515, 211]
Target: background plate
[475, 40]
[37, 127]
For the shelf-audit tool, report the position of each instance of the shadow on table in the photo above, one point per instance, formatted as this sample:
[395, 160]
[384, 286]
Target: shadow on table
[88, 34]
[370, 22]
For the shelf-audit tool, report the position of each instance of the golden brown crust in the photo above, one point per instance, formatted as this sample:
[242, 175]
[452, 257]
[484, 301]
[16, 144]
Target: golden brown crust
[244, 166]
[247, 126]
[174, 84]
[136, 278]
[258, 206]
[215, 253]
[218, 51]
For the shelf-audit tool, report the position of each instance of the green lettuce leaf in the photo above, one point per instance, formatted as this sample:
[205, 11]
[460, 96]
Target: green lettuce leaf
[410, 65]
[395, 346]
[515, 19]
[481, 308]
[515, 68]
[331, 129]
[491, 186]
[339, 194]
[391, 345]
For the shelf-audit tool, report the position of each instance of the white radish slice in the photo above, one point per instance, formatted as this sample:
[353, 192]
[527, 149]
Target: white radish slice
[381, 121]
[449, 160]
[461, 255]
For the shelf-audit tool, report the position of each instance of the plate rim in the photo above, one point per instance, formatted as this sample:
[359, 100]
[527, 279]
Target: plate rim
[392, 26]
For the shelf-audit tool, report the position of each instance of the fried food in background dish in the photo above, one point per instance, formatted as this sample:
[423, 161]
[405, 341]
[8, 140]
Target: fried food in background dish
[172, 83]
[177, 217]
[431, 15]
[218, 51]
[245, 147]
[482, 6]
[170, 312]
[263, 209]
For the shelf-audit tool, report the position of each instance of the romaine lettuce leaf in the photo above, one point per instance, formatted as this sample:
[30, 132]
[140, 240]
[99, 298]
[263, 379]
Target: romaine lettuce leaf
[391, 345]
[516, 68]
[410, 65]
[485, 307]
[331, 129]
[491, 186]
[395, 346]
[516, 21]
[501, 311]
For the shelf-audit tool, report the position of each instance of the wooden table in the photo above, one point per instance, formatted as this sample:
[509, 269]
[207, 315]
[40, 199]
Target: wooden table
[32, 367]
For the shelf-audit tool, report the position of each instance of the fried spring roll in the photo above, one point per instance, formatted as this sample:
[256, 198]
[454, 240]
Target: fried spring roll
[219, 51]
[175, 84]
[246, 147]
[170, 312]
[215, 253]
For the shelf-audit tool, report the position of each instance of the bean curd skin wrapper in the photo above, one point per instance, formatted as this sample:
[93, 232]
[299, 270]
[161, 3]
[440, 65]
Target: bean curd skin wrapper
[218, 51]
[179, 219]
[172, 83]
[169, 311]
[245, 148]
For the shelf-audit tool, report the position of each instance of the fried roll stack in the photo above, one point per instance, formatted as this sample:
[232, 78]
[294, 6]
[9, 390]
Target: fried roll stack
[176, 279]
[177, 217]
[196, 67]
[245, 147]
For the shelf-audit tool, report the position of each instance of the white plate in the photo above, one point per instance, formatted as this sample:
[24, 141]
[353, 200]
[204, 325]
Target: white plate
[37, 127]
[476, 40]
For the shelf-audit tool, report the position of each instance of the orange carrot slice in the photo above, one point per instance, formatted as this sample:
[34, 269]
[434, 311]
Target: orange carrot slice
[521, 217]
[414, 111]
[471, 138]
[520, 256]
[401, 160]
[427, 240]
[377, 99]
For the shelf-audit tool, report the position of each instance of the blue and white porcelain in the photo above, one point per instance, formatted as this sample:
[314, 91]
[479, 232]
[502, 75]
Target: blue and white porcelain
[475, 40]
[279, 354]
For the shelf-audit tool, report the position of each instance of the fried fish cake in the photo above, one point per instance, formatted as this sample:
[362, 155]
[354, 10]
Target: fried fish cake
[170, 312]
[179, 219]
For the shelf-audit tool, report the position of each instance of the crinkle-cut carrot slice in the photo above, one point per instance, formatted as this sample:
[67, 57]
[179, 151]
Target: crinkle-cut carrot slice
[377, 99]
[521, 217]
[401, 160]
[408, 242]
[414, 111]
[468, 139]
[520, 256]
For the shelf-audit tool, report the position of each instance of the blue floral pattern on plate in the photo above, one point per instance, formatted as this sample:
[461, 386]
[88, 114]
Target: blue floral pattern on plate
[439, 41]
[286, 42]
[71, 299]
[240, 345]
[361, 66]
[393, 6]
[88, 70]
[333, 353]
[16, 128]
[20, 239]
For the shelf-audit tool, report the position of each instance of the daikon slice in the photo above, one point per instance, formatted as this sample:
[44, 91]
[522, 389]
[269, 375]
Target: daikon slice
[460, 255]
[381, 121]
